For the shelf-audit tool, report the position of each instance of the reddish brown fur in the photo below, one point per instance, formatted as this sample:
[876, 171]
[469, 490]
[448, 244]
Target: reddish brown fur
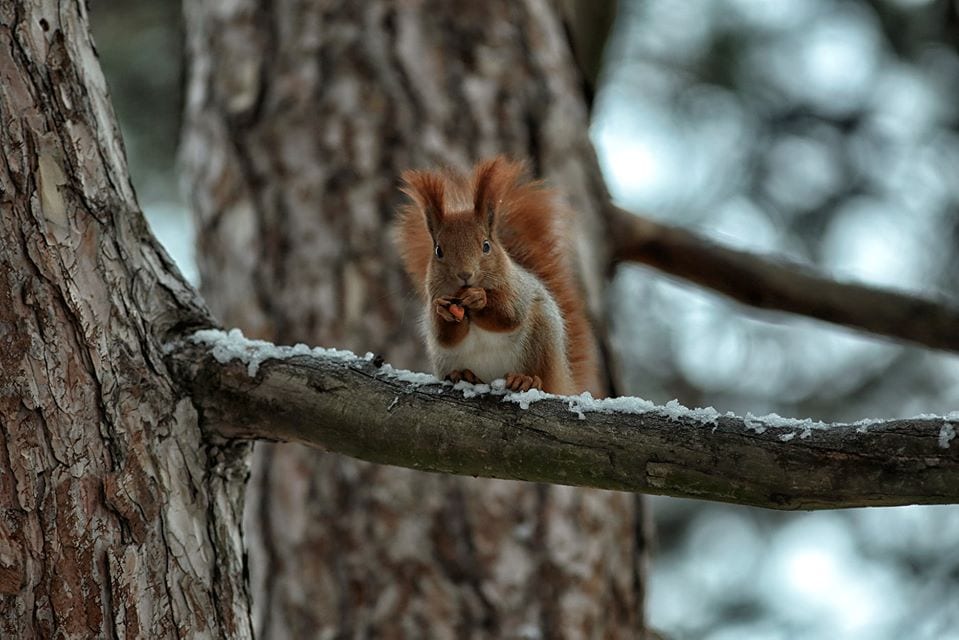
[497, 315]
[532, 229]
[410, 232]
[449, 333]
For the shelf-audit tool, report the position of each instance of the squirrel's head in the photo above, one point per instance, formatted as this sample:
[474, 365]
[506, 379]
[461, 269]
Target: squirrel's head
[466, 250]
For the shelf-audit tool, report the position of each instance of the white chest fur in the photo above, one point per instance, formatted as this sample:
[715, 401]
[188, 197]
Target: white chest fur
[488, 354]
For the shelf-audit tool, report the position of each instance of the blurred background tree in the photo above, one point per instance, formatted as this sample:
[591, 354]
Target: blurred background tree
[823, 130]
[141, 51]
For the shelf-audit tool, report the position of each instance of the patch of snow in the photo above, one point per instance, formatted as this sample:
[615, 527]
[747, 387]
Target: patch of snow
[946, 434]
[862, 426]
[471, 390]
[415, 378]
[232, 345]
[760, 424]
[706, 415]
[586, 403]
[949, 417]
[776, 421]
[752, 423]
[525, 398]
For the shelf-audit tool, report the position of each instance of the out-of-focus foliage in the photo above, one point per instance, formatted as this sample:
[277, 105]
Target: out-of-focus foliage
[794, 127]
[824, 131]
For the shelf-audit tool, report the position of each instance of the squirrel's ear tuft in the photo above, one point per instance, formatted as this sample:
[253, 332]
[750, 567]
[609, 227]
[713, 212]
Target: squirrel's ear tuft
[486, 188]
[426, 189]
[494, 184]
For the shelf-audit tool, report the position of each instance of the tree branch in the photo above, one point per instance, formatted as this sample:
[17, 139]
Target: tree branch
[770, 284]
[359, 408]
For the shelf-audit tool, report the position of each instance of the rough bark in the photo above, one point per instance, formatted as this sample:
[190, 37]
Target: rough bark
[768, 283]
[117, 519]
[300, 118]
[357, 407]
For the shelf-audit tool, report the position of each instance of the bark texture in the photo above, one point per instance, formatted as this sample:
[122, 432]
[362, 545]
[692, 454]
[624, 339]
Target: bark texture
[355, 406]
[300, 118]
[116, 518]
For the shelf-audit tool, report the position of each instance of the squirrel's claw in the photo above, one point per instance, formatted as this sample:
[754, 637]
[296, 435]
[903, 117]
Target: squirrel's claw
[522, 382]
[473, 298]
[442, 307]
[465, 374]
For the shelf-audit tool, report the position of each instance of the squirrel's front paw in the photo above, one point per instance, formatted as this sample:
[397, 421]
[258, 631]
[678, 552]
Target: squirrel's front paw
[448, 308]
[473, 298]
[465, 374]
[522, 382]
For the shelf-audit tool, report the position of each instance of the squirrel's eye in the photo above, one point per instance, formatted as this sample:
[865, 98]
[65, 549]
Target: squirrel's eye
[487, 247]
[438, 251]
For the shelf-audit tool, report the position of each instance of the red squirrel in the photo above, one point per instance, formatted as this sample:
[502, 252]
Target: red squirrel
[491, 255]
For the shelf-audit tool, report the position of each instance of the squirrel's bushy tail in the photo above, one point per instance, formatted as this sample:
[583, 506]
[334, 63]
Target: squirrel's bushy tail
[533, 227]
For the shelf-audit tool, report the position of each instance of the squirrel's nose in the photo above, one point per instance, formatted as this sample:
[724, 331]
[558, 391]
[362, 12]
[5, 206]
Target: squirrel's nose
[465, 276]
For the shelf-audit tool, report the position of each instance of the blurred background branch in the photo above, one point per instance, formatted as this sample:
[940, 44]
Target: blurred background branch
[764, 282]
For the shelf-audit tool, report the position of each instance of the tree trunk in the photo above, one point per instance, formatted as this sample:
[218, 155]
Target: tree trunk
[116, 517]
[299, 119]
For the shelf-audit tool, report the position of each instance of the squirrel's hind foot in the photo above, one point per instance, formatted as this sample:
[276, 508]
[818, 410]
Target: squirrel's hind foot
[465, 374]
[523, 382]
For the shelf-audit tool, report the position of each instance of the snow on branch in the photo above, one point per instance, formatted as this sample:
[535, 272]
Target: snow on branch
[770, 284]
[361, 407]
